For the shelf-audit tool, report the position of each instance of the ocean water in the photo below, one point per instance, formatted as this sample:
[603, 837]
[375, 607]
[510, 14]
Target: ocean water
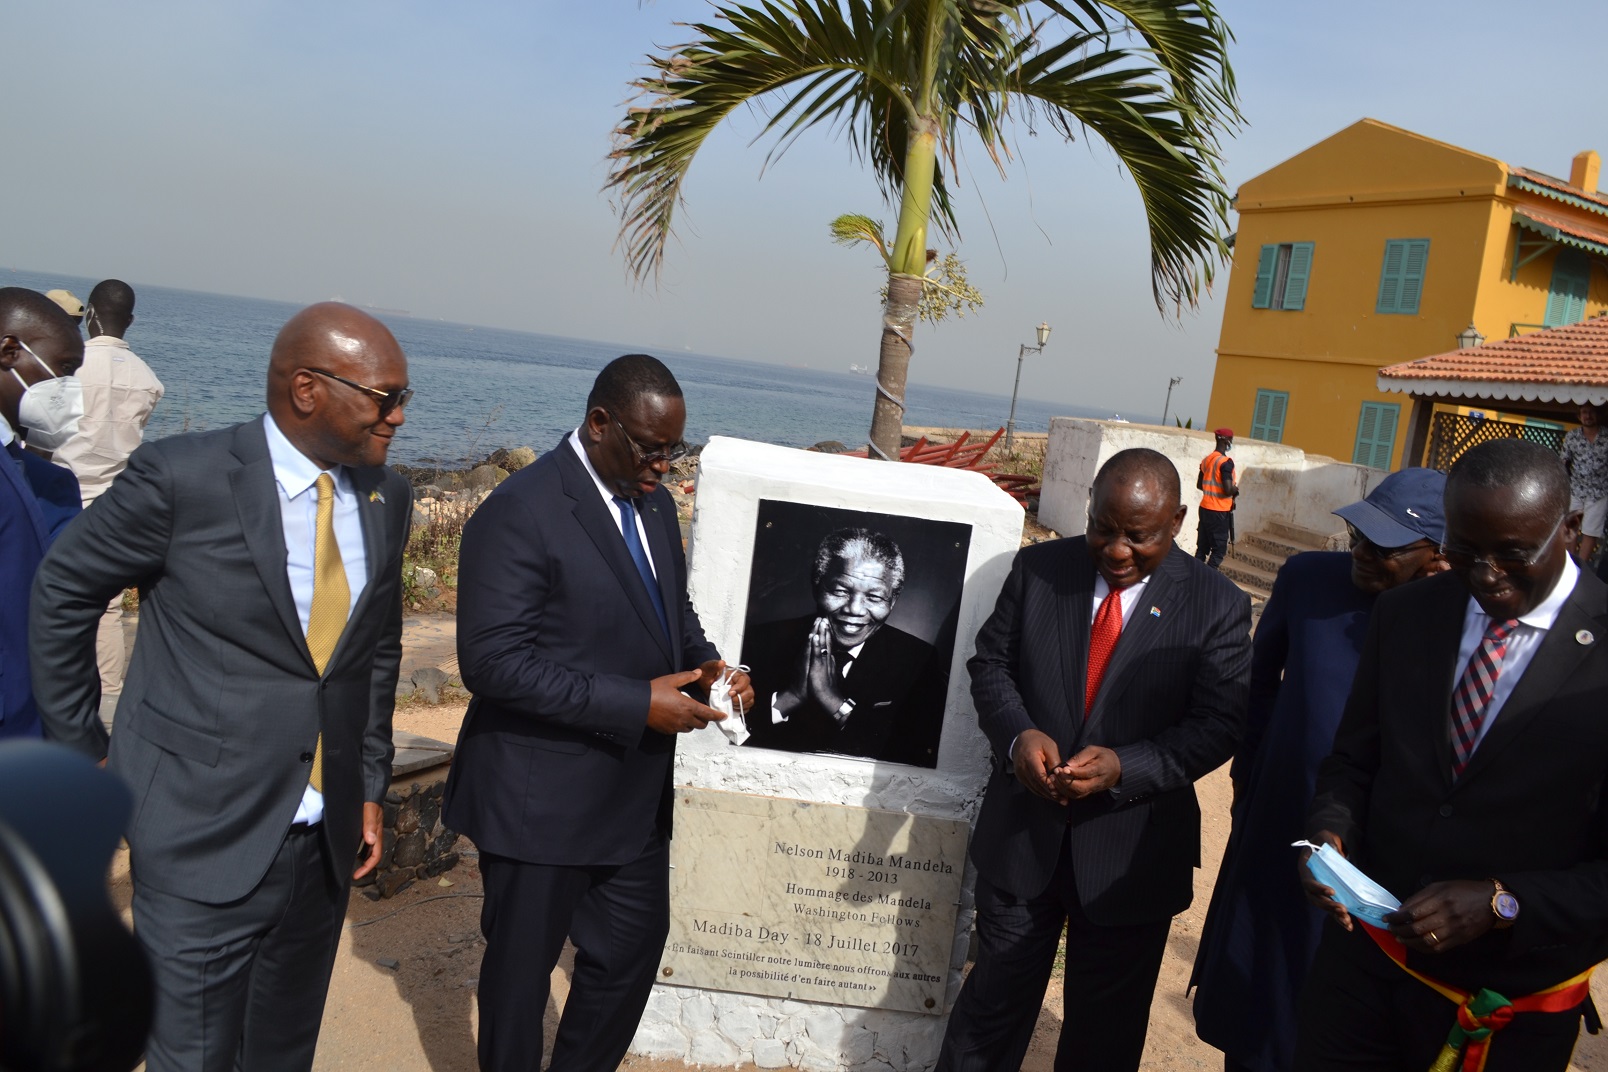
[478, 389]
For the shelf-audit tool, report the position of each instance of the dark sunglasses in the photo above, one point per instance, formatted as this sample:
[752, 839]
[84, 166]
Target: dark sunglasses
[673, 453]
[1510, 561]
[388, 400]
[1359, 540]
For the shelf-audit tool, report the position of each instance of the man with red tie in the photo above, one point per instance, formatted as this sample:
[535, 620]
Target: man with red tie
[1113, 673]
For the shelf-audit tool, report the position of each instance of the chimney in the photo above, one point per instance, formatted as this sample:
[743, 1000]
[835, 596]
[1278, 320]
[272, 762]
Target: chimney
[1583, 171]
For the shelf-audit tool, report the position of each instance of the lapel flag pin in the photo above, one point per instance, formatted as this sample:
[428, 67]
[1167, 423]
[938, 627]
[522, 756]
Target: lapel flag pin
[375, 496]
[1584, 637]
[1155, 612]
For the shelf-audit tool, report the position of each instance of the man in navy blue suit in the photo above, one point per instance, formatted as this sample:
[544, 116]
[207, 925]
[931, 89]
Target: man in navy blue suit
[38, 342]
[1112, 674]
[575, 635]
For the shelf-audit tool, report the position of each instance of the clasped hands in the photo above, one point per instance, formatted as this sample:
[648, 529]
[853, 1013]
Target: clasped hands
[817, 685]
[672, 711]
[1441, 916]
[1039, 767]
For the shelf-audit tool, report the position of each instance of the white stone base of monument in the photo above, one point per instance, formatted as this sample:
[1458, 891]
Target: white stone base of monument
[739, 484]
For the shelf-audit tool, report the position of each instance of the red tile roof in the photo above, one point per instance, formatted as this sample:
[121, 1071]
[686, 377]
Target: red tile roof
[1541, 178]
[1563, 364]
[1561, 229]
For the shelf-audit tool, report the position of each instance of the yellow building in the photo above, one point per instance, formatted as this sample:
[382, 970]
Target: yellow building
[1378, 246]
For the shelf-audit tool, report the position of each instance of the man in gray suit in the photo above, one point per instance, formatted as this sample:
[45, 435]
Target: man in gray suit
[255, 723]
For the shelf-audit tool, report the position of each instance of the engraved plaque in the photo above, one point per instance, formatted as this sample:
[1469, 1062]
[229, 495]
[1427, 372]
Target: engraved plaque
[818, 902]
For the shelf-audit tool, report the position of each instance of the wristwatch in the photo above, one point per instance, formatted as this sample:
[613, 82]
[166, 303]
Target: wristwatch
[1504, 906]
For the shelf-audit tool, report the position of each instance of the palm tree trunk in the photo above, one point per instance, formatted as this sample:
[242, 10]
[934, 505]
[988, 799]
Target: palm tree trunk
[906, 273]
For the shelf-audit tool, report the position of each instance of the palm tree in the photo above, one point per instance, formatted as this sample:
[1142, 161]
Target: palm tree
[902, 79]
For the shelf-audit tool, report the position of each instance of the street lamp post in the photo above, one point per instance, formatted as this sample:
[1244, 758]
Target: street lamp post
[1010, 425]
[1470, 337]
[1174, 382]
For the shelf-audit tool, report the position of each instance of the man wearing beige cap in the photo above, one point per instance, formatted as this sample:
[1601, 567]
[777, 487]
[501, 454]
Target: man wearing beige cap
[120, 391]
[69, 303]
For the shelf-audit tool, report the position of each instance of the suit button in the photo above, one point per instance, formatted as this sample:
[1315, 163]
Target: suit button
[306, 757]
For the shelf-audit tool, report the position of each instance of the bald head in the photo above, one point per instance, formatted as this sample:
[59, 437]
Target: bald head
[329, 368]
[1142, 465]
[29, 321]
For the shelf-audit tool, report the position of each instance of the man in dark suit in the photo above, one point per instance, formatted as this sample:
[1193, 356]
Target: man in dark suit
[843, 680]
[1112, 674]
[575, 635]
[255, 723]
[1467, 778]
[38, 342]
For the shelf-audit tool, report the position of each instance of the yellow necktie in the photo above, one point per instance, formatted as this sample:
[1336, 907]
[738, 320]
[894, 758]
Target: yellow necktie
[332, 599]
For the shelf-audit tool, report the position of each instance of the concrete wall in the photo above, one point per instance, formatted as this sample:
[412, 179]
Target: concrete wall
[720, 1028]
[1279, 483]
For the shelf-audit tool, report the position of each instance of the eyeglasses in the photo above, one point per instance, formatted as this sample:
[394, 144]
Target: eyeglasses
[673, 453]
[1387, 553]
[1512, 561]
[388, 400]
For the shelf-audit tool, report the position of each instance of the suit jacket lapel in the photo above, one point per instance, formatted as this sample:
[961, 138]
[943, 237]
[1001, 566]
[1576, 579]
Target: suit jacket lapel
[1141, 632]
[1446, 637]
[371, 516]
[256, 497]
[1554, 661]
[663, 567]
[11, 471]
[1074, 599]
[595, 520]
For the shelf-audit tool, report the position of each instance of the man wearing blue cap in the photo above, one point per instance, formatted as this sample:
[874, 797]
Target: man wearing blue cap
[1260, 932]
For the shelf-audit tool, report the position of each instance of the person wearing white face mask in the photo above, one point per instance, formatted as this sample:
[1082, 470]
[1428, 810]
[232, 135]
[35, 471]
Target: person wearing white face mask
[39, 344]
[119, 393]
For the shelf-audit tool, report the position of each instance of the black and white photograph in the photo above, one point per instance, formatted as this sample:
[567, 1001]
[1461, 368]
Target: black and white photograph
[850, 629]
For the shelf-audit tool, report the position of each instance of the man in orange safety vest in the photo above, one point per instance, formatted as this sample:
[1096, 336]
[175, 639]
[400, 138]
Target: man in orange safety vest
[1217, 492]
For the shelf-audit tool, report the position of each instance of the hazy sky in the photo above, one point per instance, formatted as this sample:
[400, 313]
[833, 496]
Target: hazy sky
[447, 159]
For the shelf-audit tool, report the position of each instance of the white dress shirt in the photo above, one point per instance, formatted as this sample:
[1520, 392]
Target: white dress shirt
[1129, 596]
[608, 501]
[296, 477]
[1521, 643]
[120, 391]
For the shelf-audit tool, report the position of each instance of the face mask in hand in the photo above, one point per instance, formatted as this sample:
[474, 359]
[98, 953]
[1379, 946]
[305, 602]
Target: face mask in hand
[721, 698]
[50, 409]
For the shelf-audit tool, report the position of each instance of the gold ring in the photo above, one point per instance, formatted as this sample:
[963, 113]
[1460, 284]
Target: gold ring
[1432, 939]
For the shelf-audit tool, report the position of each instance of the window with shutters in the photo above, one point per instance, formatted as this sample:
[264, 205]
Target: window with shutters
[1267, 418]
[1376, 434]
[1401, 281]
[1566, 297]
[1282, 272]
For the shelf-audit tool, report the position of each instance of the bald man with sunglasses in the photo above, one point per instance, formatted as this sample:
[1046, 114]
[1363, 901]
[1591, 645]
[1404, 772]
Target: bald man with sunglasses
[255, 724]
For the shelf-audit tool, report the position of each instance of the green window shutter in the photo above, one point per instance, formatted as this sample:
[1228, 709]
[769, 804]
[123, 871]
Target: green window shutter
[1401, 279]
[1571, 280]
[1295, 284]
[1267, 418]
[1262, 297]
[1414, 261]
[1376, 434]
[1390, 278]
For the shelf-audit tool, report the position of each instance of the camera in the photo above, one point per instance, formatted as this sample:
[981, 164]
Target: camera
[75, 988]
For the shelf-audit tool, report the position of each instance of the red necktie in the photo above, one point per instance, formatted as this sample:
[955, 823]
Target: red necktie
[1102, 642]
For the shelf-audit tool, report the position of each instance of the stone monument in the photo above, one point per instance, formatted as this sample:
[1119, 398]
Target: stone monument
[820, 898]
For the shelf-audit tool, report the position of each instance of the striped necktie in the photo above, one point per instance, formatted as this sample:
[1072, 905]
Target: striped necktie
[332, 600]
[1474, 691]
